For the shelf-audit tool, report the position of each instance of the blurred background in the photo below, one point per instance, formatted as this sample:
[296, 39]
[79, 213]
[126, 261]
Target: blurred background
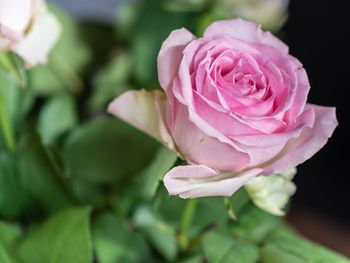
[316, 31]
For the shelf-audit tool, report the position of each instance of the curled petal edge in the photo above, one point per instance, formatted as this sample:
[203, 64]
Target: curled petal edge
[192, 181]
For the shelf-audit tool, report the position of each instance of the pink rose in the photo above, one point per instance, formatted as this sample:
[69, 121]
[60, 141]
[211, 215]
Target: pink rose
[235, 107]
[27, 28]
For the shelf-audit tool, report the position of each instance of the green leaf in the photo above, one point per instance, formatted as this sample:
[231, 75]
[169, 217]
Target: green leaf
[57, 116]
[255, 224]
[107, 150]
[155, 171]
[9, 234]
[270, 253]
[159, 234]
[110, 82]
[220, 248]
[236, 202]
[115, 241]
[40, 177]
[4, 257]
[64, 238]
[284, 241]
[14, 200]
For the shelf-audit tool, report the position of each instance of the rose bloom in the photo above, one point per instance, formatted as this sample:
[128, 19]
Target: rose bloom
[234, 108]
[28, 29]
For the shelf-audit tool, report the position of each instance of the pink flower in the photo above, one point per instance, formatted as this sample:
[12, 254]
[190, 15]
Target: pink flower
[28, 28]
[235, 108]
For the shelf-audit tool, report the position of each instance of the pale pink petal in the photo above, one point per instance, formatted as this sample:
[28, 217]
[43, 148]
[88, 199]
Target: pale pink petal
[310, 141]
[170, 55]
[194, 181]
[15, 15]
[42, 36]
[145, 111]
[244, 30]
[202, 144]
[262, 148]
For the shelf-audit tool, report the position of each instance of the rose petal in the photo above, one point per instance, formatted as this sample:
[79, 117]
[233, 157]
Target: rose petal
[170, 55]
[192, 181]
[15, 15]
[41, 38]
[200, 148]
[244, 30]
[145, 111]
[310, 141]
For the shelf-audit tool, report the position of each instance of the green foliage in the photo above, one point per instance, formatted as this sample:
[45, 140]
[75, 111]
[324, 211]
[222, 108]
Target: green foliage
[51, 124]
[116, 241]
[64, 238]
[220, 248]
[283, 243]
[148, 35]
[40, 176]
[14, 201]
[107, 145]
[110, 82]
[4, 257]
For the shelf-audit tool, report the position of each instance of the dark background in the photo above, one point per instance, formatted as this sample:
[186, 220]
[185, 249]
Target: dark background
[317, 33]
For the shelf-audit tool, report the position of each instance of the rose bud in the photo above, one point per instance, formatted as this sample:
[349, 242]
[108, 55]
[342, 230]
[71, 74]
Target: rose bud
[234, 107]
[28, 29]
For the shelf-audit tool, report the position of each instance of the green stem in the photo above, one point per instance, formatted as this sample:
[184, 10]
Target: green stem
[5, 126]
[186, 220]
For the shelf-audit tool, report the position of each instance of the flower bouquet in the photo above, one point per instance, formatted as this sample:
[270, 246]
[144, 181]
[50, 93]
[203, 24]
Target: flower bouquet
[222, 120]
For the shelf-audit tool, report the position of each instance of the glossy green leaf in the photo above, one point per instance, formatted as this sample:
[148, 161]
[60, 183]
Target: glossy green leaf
[155, 171]
[106, 150]
[57, 116]
[284, 241]
[14, 200]
[158, 232]
[4, 257]
[255, 224]
[40, 176]
[115, 241]
[220, 248]
[64, 238]
[9, 234]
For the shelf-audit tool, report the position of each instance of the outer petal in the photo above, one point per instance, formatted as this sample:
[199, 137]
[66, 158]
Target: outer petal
[170, 55]
[145, 111]
[244, 30]
[40, 39]
[310, 141]
[194, 181]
